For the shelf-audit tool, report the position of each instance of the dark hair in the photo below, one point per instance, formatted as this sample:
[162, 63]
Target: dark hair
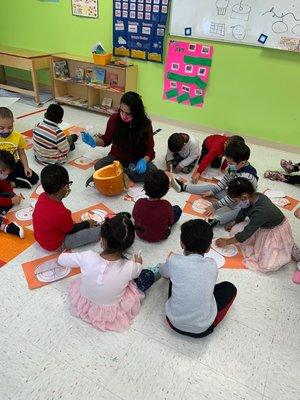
[196, 235]
[136, 134]
[7, 160]
[54, 177]
[118, 232]
[54, 113]
[6, 113]
[156, 184]
[176, 142]
[238, 186]
[238, 151]
[235, 138]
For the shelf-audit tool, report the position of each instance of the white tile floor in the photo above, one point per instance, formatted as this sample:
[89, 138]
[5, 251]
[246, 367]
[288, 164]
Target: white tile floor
[48, 354]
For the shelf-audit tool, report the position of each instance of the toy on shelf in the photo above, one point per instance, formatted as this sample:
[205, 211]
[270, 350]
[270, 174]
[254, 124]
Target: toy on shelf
[109, 180]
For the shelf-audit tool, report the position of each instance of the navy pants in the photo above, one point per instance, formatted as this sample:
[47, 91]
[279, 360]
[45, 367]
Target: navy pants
[19, 172]
[145, 280]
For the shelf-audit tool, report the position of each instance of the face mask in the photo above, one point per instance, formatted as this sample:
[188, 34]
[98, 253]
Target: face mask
[3, 176]
[5, 134]
[232, 168]
[126, 118]
[244, 203]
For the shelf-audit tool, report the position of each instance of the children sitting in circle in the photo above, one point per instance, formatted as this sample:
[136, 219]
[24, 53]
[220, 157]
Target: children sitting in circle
[153, 215]
[266, 240]
[50, 145]
[10, 140]
[183, 152]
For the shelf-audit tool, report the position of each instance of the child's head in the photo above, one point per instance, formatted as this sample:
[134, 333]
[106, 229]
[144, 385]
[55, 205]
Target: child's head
[7, 164]
[117, 234]
[55, 180]
[237, 154]
[156, 184]
[196, 236]
[55, 113]
[6, 122]
[234, 139]
[241, 190]
[176, 142]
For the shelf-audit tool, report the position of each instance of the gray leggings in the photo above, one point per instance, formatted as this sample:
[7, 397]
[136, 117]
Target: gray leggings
[81, 238]
[133, 176]
[223, 218]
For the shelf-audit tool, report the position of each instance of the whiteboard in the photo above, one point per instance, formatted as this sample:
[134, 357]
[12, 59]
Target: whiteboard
[245, 22]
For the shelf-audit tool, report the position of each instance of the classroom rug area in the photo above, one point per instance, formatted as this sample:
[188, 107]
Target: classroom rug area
[251, 355]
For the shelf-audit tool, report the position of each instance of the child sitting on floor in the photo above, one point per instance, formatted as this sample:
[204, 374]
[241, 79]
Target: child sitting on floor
[154, 216]
[266, 241]
[289, 168]
[109, 293]
[212, 152]
[7, 197]
[196, 303]
[183, 152]
[53, 226]
[50, 144]
[12, 141]
[237, 155]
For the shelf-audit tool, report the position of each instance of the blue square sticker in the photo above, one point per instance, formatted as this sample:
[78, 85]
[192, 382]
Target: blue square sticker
[263, 38]
[188, 31]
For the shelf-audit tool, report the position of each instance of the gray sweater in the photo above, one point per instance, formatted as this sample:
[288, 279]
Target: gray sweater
[262, 214]
[192, 307]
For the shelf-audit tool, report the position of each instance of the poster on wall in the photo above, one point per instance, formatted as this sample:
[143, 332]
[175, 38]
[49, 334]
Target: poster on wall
[139, 28]
[85, 8]
[186, 72]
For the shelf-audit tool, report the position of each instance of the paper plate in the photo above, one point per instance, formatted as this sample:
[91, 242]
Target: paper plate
[220, 260]
[136, 192]
[50, 271]
[33, 202]
[200, 205]
[281, 202]
[97, 215]
[227, 251]
[25, 214]
[274, 194]
[39, 190]
[82, 161]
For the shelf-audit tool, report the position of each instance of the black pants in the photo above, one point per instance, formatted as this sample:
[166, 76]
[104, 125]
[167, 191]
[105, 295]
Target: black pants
[292, 179]
[216, 162]
[19, 172]
[176, 160]
[225, 293]
[5, 209]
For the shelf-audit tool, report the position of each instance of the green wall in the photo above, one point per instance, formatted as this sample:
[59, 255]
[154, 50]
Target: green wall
[251, 91]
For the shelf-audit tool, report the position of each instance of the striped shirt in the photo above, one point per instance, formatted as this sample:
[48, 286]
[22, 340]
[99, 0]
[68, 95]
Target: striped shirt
[247, 172]
[50, 144]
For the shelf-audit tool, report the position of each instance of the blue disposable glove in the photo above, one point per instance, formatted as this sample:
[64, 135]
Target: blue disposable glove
[141, 166]
[88, 139]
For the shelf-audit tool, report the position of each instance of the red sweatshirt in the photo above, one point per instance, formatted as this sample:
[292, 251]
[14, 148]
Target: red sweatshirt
[5, 188]
[122, 154]
[215, 146]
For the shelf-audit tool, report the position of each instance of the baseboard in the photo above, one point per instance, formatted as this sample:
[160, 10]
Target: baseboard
[250, 139]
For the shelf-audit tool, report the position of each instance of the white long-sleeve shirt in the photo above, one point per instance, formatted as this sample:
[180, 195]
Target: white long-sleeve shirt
[102, 282]
[189, 153]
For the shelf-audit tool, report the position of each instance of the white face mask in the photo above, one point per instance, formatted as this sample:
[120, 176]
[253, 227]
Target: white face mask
[3, 176]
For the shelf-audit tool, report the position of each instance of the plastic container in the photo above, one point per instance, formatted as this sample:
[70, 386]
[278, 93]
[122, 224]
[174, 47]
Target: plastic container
[102, 59]
[109, 180]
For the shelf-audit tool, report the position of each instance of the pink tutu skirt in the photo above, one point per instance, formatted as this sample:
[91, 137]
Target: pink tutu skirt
[117, 317]
[267, 250]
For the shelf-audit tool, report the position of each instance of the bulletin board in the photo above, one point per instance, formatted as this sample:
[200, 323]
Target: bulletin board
[266, 23]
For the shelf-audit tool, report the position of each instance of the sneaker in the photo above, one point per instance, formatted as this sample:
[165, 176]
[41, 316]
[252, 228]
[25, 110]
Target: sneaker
[177, 184]
[213, 222]
[296, 253]
[288, 166]
[23, 183]
[73, 139]
[274, 176]
[15, 229]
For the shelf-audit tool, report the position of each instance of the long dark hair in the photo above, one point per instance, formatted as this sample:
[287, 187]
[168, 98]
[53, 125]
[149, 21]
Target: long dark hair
[135, 134]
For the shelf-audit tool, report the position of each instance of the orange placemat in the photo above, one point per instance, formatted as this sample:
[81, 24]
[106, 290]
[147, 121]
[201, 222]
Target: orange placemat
[11, 246]
[22, 217]
[236, 262]
[188, 208]
[82, 163]
[77, 215]
[29, 269]
[293, 203]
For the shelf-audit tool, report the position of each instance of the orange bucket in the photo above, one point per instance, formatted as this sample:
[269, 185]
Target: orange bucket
[109, 180]
[102, 59]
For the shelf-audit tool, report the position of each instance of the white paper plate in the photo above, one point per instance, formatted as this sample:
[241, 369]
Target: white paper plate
[200, 205]
[136, 192]
[281, 202]
[39, 190]
[227, 251]
[97, 215]
[274, 194]
[219, 259]
[82, 161]
[50, 271]
[25, 214]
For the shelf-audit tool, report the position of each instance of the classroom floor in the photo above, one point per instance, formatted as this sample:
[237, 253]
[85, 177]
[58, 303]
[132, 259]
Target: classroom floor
[48, 354]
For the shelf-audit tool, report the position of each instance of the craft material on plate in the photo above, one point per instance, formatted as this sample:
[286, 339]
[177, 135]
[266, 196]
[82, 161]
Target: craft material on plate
[50, 271]
[97, 215]
[200, 205]
[39, 190]
[136, 192]
[25, 214]
[227, 251]
[274, 194]
[219, 259]
[83, 160]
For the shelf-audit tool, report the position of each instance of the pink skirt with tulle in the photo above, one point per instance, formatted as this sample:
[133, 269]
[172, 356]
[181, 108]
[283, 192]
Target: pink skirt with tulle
[267, 250]
[117, 317]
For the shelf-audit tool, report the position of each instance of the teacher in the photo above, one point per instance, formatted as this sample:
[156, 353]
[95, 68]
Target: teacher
[130, 132]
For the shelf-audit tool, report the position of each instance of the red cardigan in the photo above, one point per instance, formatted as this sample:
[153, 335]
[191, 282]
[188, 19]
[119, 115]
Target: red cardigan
[128, 154]
[214, 144]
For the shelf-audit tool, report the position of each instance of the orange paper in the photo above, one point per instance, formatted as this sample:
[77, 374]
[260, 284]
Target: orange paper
[188, 208]
[293, 203]
[29, 269]
[236, 262]
[20, 216]
[11, 246]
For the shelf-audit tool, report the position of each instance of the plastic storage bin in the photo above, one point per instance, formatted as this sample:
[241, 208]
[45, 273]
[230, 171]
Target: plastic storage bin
[109, 180]
[102, 59]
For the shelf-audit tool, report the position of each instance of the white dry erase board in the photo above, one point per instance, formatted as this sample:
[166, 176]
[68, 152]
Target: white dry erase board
[266, 23]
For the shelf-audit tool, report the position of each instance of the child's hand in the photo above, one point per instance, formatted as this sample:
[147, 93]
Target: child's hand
[138, 258]
[228, 227]
[92, 223]
[195, 177]
[177, 169]
[28, 172]
[208, 193]
[16, 200]
[221, 242]
[170, 255]
[209, 211]
[169, 165]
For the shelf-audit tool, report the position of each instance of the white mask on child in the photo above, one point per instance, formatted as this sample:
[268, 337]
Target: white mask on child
[244, 203]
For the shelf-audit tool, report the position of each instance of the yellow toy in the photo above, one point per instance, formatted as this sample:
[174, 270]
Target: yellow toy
[109, 180]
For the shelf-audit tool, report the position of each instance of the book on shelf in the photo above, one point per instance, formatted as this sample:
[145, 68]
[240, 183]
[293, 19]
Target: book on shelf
[106, 102]
[112, 79]
[73, 100]
[79, 74]
[88, 75]
[117, 89]
[104, 110]
[94, 76]
[61, 69]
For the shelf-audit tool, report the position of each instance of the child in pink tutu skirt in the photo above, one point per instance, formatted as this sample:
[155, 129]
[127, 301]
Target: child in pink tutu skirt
[109, 292]
[266, 240]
